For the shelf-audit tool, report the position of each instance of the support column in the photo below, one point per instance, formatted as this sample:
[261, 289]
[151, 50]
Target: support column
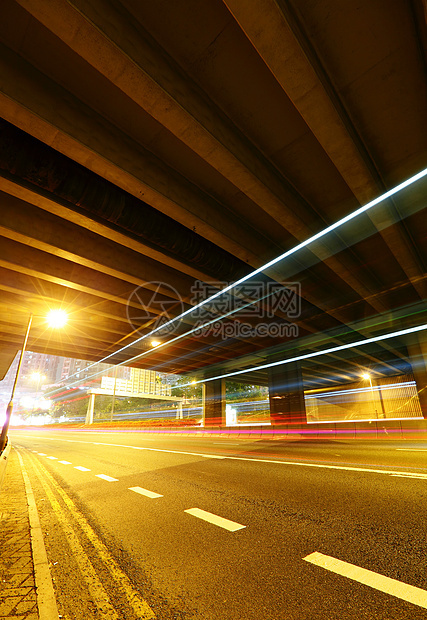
[179, 413]
[214, 403]
[417, 350]
[90, 408]
[286, 394]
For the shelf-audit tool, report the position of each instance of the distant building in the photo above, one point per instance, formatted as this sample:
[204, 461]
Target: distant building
[79, 369]
[140, 381]
[56, 371]
[52, 369]
[46, 365]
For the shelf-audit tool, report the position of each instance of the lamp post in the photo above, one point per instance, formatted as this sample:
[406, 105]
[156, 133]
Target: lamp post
[367, 377]
[3, 436]
[55, 318]
[114, 394]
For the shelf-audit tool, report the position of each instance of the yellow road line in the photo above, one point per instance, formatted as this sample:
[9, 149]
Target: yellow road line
[46, 602]
[96, 589]
[138, 604]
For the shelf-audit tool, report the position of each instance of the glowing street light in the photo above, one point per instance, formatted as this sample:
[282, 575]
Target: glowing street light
[367, 377]
[37, 377]
[56, 318]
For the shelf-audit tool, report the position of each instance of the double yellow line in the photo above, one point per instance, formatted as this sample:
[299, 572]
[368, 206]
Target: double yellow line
[68, 517]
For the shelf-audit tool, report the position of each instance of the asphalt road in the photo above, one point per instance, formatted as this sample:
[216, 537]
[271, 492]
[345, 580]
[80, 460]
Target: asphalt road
[230, 529]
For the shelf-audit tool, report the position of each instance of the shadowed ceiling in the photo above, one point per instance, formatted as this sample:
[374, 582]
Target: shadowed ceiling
[145, 146]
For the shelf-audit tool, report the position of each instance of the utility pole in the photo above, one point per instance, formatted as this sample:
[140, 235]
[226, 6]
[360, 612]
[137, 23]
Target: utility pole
[114, 393]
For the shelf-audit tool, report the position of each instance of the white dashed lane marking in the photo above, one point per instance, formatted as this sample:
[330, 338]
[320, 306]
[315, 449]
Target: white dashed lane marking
[65, 462]
[80, 468]
[401, 590]
[226, 524]
[107, 478]
[53, 458]
[145, 492]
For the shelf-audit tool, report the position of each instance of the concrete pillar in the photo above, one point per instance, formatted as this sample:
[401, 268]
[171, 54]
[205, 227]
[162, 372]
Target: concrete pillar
[90, 408]
[417, 351]
[179, 413]
[286, 394]
[214, 403]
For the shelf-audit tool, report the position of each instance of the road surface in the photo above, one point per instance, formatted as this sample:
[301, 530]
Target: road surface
[148, 526]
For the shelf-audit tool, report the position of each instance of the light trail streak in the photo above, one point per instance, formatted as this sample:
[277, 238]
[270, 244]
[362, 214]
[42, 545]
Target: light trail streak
[298, 247]
[298, 358]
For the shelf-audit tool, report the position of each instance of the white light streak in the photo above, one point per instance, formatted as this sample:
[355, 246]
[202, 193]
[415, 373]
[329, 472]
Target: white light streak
[342, 347]
[262, 269]
[293, 250]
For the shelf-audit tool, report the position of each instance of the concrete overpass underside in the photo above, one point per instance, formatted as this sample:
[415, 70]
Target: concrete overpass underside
[145, 146]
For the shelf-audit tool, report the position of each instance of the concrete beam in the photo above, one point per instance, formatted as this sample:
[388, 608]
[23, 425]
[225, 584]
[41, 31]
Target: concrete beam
[179, 108]
[60, 120]
[31, 226]
[282, 47]
[48, 226]
[197, 124]
[85, 223]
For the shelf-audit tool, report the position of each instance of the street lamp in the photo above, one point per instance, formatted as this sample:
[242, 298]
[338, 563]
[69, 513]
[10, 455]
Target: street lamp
[367, 377]
[55, 318]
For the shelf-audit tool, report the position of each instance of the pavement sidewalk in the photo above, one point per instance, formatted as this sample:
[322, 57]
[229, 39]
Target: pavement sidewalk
[18, 595]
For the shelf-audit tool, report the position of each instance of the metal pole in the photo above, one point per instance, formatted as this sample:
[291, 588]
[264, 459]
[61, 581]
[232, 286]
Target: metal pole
[90, 408]
[114, 393]
[382, 401]
[3, 436]
[373, 397]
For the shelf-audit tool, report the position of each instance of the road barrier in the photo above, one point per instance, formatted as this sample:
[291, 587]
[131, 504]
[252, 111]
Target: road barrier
[367, 430]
